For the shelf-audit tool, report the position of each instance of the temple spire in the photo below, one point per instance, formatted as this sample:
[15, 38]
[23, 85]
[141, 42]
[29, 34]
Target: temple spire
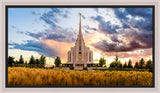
[80, 33]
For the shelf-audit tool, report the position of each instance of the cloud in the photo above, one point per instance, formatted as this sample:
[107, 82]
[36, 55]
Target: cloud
[86, 31]
[96, 9]
[105, 46]
[83, 17]
[114, 38]
[89, 28]
[51, 17]
[120, 14]
[113, 47]
[40, 47]
[135, 32]
[130, 41]
[36, 35]
[13, 26]
[66, 14]
[135, 42]
[56, 37]
[55, 32]
[106, 27]
[20, 32]
[49, 45]
[58, 34]
[135, 55]
[34, 12]
[143, 12]
[144, 24]
[144, 38]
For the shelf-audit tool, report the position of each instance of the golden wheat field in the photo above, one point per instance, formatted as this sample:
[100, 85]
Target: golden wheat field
[41, 77]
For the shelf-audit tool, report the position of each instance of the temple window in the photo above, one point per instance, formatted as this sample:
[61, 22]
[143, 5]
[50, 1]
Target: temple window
[70, 57]
[79, 44]
[90, 56]
[80, 56]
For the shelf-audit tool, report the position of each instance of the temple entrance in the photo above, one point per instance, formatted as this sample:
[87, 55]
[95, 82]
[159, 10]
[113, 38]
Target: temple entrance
[79, 66]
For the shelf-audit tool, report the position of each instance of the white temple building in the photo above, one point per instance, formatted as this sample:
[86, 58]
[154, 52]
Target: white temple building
[80, 56]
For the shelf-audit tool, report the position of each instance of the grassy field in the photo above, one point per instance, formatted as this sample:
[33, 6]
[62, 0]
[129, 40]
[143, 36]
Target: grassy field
[40, 77]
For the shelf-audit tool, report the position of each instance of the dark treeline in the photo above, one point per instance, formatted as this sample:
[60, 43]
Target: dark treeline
[33, 62]
[138, 65]
[116, 64]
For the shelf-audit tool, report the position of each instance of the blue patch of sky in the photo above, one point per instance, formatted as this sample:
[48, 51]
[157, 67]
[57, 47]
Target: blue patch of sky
[23, 20]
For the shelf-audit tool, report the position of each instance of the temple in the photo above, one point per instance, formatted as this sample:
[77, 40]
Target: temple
[80, 56]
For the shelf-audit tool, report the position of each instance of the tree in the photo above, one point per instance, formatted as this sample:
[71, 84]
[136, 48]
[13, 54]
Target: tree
[32, 60]
[130, 64]
[10, 61]
[141, 63]
[37, 61]
[113, 65]
[149, 65]
[102, 61]
[116, 59]
[16, 61]
[136, 65]
[21, 60]
[57, 61]
[25, 62]
[119, 64]
[42, 60]
[116, 63]
[125, 65]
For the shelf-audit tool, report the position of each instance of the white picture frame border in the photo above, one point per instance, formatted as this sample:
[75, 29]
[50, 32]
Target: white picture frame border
[3, 89]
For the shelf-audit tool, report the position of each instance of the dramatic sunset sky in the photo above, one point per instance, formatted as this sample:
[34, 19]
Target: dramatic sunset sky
[126, 32]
